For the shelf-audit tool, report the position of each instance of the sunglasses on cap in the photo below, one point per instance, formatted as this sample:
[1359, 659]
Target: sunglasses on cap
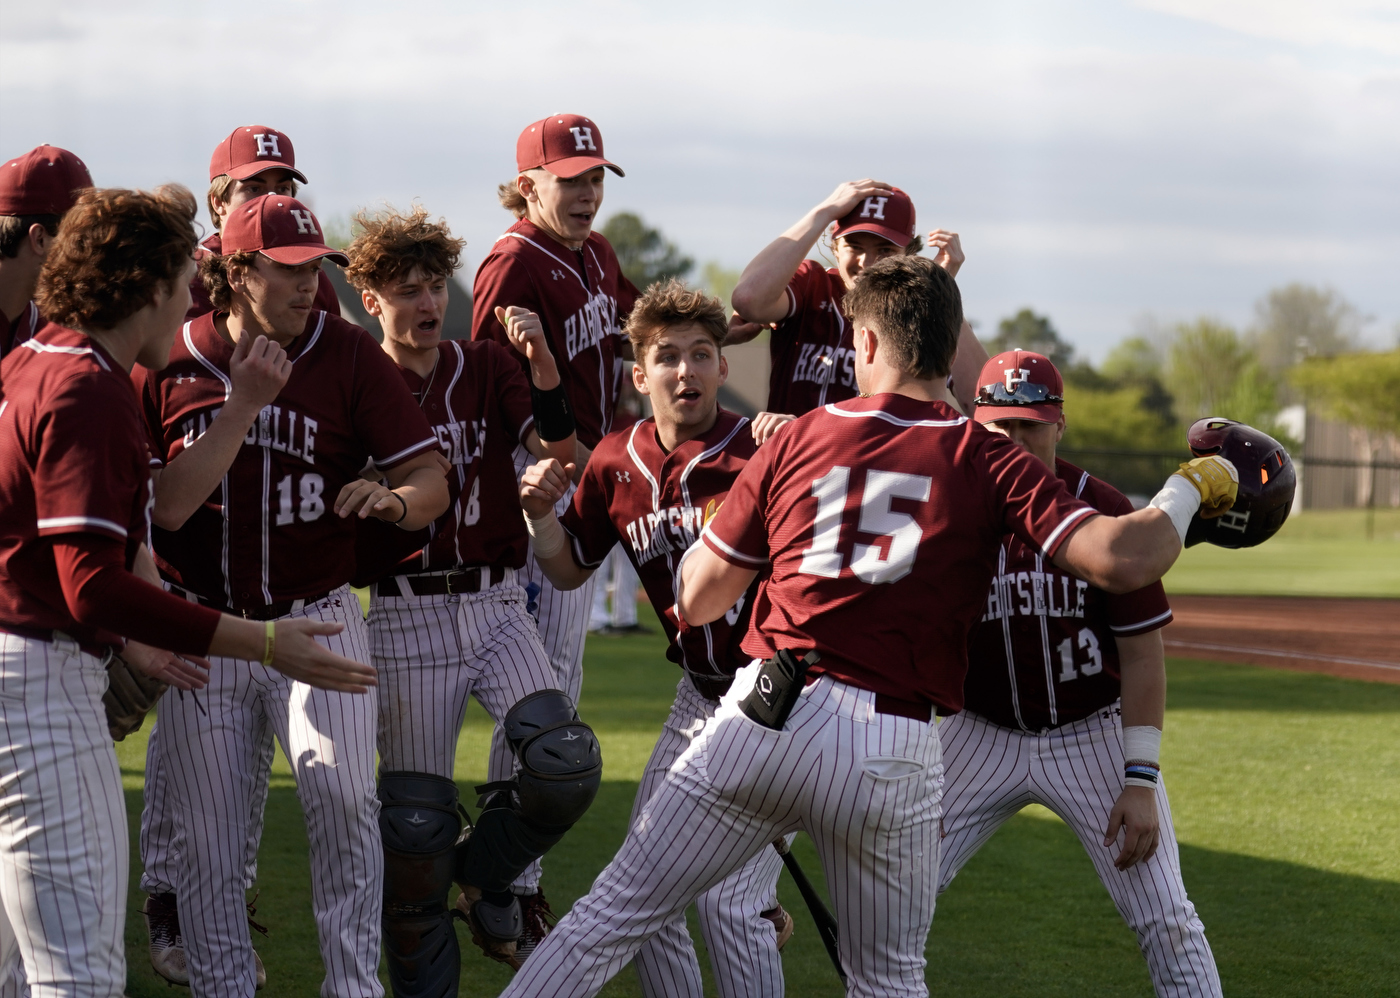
[1024, 394]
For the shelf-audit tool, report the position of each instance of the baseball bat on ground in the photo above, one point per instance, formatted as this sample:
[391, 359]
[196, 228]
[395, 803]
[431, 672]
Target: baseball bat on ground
[826, 921]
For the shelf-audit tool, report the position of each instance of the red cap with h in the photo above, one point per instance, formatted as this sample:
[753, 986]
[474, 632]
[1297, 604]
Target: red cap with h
[564, 144]
[44, 181]
[1019, 384]
[280, 228]
[251, 150]
[889, 215]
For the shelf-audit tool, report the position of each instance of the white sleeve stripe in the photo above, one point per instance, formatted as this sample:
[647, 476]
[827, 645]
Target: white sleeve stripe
[526, 427]
[384, 462]
[709, 535]
[1050, 541]
[54, 522]
[792, 303]
[1161, 618]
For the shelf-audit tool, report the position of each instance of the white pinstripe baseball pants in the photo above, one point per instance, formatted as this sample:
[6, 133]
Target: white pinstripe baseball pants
[1076, 770]
[212, 758]
[433, 652]
[63, 835]
[743, 945]
[562, 619]
[864, 786]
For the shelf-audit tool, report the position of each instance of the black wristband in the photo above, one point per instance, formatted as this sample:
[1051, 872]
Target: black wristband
[554, 419]
[402, 502]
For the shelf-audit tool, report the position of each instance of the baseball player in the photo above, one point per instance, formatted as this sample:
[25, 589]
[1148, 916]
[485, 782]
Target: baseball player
[252, 161]
[1063, 705]
[74, 487]
[35, 191]
[878, 520]
[811, 341]
[647, 491]
[447, 608]
[266, 415]
[552, 263]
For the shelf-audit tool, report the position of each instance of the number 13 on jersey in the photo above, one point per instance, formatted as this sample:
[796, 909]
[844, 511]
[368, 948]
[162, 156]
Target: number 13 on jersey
[872, 563]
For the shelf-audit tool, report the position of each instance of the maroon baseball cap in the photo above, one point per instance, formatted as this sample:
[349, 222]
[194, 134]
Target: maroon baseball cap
[1019, 384]
[889, 214]
[564, 144]
[44, 181]
[280, 228]
[252, 149]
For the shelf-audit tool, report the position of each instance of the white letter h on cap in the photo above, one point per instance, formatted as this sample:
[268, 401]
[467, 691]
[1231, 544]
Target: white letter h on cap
[267, 144]
[583, 139]
[305, 224]
[874, 208]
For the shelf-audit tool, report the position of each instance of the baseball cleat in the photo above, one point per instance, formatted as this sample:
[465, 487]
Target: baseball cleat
[782, 923]
[167, 946]
[496, 930]
[537, 920]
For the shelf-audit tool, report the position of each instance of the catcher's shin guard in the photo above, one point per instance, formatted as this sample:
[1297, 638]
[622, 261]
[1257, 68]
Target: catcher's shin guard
[561, 768]
[419, 820]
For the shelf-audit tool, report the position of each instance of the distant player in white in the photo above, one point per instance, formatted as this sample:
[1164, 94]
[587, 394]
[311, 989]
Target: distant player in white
[1065, 698]
[878, 519]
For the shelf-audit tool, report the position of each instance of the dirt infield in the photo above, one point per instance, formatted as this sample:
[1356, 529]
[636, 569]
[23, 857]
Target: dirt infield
[1356, 638]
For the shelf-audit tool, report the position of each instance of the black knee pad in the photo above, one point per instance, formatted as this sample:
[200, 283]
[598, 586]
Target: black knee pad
[419, 821]
[561, 768]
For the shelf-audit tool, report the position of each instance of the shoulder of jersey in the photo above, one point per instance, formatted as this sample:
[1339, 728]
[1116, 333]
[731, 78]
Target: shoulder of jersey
[1095, 491]
[614, 445]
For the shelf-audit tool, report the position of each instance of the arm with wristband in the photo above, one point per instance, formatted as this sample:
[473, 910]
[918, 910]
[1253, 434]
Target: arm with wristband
[1142, 664]
[553, 435]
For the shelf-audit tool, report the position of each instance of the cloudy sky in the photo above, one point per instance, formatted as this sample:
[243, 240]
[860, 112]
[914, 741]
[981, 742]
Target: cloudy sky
[1103, 160]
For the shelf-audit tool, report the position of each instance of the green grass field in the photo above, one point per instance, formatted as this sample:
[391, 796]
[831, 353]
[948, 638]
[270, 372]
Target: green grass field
[1319, 553]
[1284, 789]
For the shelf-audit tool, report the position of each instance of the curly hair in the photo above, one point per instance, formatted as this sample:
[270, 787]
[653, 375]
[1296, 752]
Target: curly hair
[115, 250]
[670, 303]
[390, 245]
[213, 274]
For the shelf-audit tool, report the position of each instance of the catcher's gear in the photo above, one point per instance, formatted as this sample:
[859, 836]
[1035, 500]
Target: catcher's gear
[1215, 479]
[495, 929]
[1267, 481]
[130, 696]
[419, 820]
[561, 768]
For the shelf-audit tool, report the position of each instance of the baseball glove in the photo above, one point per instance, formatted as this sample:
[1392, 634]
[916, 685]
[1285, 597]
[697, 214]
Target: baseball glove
[130, 695]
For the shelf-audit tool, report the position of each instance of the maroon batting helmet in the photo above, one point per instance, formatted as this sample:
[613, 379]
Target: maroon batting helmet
[1267, 481]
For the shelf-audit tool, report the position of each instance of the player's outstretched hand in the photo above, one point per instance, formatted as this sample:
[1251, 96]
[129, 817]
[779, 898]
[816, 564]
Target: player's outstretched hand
[368, 498]
[1216, 479]
[765, 424]
[1135, 812]
[848, 195]
[259, 370]
[741, 330]
[542, 485]
[297, 655]
[184, 672]
[949, 253]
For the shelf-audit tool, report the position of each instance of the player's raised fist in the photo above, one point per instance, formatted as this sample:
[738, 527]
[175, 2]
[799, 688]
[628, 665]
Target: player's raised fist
[1216, 479]
[523, 329]
[948, 250]
[259, 370]
[298, 655]
[848, 195]
[542, 485]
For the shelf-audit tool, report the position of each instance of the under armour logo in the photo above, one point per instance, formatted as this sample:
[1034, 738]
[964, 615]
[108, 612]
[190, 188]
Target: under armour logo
[874, 208]
[1014, 376]
[306, 225]
[583, 139]
[624, 476]
[185, 379]
[267, 145]
[558, 275]
[417, 819]
[570, 737]
[1235, 520]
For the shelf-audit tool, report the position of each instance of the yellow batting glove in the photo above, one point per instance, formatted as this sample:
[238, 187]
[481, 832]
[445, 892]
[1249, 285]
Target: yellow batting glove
[1216, 479]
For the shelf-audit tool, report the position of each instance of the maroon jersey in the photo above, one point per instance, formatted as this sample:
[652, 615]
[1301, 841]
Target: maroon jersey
[655, 503]
[581, 298]
[325, 299]
[1044, 653]
[26, 324]
[881, 518]
[478, 403]
[813, 350]
[268, 533]
[72, 461]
